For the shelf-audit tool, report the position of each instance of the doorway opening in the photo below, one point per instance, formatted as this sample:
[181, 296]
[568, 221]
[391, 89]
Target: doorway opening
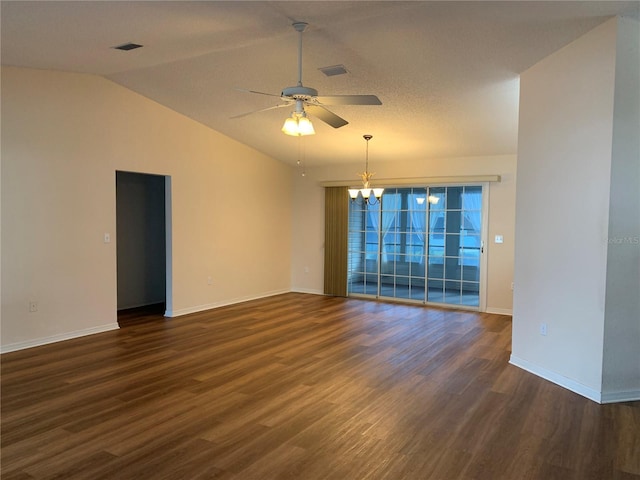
[143, 224]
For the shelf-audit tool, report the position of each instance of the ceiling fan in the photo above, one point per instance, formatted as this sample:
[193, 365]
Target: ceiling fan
[306, 99]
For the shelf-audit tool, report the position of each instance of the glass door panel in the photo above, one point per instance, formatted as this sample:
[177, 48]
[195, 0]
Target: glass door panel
[455, 223]
[363, 249]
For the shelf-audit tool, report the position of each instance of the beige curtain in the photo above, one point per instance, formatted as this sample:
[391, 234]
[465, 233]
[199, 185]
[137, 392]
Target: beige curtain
[336, 232]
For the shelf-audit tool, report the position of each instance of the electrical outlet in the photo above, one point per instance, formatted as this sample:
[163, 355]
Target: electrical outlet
[511, 285]
[543, 329]
[33, 306]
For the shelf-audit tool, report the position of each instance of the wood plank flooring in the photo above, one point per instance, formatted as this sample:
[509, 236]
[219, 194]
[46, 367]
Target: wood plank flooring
[303, 387]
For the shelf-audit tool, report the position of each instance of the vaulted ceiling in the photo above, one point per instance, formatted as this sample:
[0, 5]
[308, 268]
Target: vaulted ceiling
[446, 72]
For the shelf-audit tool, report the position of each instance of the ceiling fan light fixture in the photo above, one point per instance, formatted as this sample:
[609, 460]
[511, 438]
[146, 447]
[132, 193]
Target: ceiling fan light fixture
[298, 125]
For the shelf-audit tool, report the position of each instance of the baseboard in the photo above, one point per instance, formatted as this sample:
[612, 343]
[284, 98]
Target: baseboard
[209, 306]
[12, 347]
[558, 379]
[307, 290]
[621, 396]
[500, 311]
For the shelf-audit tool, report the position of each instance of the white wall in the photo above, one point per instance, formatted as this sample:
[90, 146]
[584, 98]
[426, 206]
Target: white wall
[621, 369]
[63, 137]
[562, 212]
[308, 216]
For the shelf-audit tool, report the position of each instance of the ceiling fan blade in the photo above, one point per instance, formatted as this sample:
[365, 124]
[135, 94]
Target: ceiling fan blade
[261, 110]
[259, 93]
[325, 115]
[349, 100]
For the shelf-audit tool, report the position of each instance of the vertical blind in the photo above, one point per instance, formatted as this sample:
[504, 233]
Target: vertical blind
[336, 228]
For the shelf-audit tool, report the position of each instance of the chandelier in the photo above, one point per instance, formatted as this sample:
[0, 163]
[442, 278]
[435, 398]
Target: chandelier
[367, 190]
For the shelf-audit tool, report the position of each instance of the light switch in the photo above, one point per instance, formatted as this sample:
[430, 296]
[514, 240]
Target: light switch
[107, 238]
[499, 239]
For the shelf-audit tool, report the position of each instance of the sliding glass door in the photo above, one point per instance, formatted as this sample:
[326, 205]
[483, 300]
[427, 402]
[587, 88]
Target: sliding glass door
[418, 244]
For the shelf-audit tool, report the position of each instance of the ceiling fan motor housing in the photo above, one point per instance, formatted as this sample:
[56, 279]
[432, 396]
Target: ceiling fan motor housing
[299, 92]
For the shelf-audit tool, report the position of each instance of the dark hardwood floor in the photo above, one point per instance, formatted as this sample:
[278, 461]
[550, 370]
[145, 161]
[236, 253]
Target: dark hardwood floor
[303, 387]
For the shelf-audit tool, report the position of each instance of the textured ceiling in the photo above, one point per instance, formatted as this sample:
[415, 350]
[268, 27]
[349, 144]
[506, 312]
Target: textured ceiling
[446, 72]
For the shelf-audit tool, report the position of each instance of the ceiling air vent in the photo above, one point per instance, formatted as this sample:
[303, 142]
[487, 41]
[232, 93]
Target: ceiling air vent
[128, 46]
[333, 70]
